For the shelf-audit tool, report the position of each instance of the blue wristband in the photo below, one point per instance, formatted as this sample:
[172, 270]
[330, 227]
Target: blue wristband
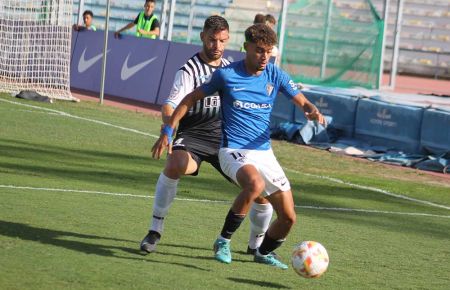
[167, 130]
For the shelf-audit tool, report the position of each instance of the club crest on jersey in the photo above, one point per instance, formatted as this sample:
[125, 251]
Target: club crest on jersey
[269, 89]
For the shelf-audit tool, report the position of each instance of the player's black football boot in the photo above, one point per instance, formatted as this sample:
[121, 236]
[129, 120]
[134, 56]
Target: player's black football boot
[150, 241]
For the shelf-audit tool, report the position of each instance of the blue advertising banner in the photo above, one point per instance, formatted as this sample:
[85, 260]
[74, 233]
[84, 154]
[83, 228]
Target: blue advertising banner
[134, 67]
[341, 107]
[391, 125]
[86, 64]
[435, 134]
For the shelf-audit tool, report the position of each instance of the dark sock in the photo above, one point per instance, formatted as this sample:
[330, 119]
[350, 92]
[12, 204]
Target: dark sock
[269, 245]
[232, 223]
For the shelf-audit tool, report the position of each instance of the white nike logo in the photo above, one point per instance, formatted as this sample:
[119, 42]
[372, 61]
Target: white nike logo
[128, 72]
[238, 89]
[84, 63]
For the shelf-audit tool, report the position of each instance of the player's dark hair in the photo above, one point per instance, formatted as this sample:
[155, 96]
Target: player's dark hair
[261, 33]
[259, 18]
[146, 1]
[216, 23]
[88, 12]
[271, 19]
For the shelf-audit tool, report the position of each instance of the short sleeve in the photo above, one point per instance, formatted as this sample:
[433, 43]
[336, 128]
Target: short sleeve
[287, 86]
[136, 20]
[213, 84]
[182, 85]
[155, 24]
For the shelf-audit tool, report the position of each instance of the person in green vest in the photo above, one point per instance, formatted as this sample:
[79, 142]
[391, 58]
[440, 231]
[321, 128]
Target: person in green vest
[88, 16]
[147, 25]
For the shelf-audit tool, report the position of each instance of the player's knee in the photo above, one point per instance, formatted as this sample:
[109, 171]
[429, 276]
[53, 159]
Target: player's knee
[173, 169]
[289, 219]
[255, 184]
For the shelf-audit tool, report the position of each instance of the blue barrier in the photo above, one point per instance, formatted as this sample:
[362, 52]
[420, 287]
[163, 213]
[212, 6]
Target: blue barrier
[393, 126]
[435, 131]
[342, 108]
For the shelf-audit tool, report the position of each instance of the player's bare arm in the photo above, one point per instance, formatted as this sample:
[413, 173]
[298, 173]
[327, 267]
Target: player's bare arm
[165, 140]
[151, 32]
[311, 111]
[166, 112]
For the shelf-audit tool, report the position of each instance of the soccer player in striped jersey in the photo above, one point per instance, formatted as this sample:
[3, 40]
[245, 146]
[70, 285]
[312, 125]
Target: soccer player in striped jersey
[199, 135]
[247, 90]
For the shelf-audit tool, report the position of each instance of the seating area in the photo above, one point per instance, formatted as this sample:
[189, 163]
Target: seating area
[425, 34]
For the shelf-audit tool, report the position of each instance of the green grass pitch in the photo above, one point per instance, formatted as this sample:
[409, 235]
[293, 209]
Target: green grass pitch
[76, 187]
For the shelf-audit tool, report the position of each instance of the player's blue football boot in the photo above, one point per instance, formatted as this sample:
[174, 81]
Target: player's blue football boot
[270, 260]
[222, 252]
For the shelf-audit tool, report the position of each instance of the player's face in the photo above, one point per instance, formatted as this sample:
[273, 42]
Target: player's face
[148, 8]
[258, 55]
[214, 43]
[87, 20]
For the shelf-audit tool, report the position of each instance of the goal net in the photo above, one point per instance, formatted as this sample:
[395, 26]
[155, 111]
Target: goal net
[35, 38]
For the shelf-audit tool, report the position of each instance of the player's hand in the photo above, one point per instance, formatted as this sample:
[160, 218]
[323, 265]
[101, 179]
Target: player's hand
[315, 116]
[165, 140]
[142, 31]
[159, 146]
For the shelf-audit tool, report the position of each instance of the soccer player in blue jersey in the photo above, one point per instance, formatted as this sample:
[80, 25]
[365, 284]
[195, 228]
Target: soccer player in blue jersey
[198, 136]
[247, 90]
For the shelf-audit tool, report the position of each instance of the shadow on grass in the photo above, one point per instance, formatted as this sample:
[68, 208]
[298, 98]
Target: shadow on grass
[61, 239]
[258, 283]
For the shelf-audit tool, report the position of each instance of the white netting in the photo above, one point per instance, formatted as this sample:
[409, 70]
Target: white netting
[35, 38]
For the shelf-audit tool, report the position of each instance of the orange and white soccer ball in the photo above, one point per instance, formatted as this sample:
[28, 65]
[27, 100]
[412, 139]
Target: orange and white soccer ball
[310, 259]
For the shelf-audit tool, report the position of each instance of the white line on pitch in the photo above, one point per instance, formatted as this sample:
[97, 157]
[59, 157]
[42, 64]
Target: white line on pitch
[336, 180]
[371, 189]
[223, 201]
[64, 114]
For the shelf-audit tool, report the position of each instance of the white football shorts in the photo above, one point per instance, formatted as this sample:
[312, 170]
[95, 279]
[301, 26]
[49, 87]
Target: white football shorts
[231, 160]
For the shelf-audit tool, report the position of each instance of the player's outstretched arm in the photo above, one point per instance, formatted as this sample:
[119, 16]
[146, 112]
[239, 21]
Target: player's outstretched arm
[165, 140]
[311, 111]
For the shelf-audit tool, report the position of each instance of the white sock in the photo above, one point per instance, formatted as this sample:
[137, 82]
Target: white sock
[166, 189]
[223, 239]
[260, 216]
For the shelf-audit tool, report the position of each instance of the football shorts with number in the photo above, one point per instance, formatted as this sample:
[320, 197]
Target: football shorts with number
[231, 160]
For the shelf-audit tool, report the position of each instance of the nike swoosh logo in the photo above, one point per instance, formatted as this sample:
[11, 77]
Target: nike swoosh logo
[238, 89]
[128, 72]
[84, 63]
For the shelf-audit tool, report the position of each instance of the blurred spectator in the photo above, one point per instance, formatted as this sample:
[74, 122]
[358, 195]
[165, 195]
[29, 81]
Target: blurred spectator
[147, 25]
[88, 16]
[259, 18]
[270, 21]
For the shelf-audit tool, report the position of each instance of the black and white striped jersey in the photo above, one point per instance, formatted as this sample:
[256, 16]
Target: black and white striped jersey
[203, 119]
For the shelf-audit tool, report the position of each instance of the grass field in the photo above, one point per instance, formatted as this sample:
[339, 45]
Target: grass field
[76, 187]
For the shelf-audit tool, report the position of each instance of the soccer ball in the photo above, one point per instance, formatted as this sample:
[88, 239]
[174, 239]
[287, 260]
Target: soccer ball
[309, 259]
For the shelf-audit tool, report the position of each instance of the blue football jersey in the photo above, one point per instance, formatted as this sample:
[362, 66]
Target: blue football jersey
[247, 103]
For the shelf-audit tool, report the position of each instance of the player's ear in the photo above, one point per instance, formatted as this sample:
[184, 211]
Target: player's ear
[202, 34]
[246, 46]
